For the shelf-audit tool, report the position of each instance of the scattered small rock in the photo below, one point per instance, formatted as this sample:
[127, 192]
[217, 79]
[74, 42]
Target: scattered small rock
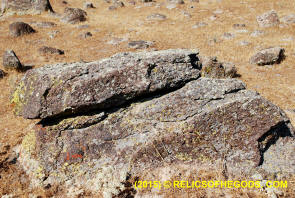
[228, 36]
[213, 41]
[171, 6]
[73, 15]
[218, 12]
[213, 17]
[45, 24]
[176, 1]
[242, 31]
[200, 24]
[244, 43]
[52, 34]
[65, 2]
[17, 29]
[140, 44]
[50, 50]
[88, 5]
[11, 61]
[112, 8]
[186, 14]
[288, 39]
[146, 1]
[132, 2]
[257, 33]
[289, 19]
[116, 41]
[156, 16]
[118, 4]
[239, 25]
[86, 35]
[83, 26]
[268, 19]
[268, 56]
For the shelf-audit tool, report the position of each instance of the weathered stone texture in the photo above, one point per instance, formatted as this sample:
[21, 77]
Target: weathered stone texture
[17, 29]
[146, 112]
[74, 15]
[268, 56]
[78, 87]
[25, 6]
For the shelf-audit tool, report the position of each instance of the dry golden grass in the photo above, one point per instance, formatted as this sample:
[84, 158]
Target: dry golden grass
[276, 83]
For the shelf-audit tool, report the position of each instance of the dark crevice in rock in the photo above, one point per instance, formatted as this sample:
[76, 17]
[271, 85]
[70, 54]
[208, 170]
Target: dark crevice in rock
[195, 61]
[271, 137]
[95, 109]
[89, 120]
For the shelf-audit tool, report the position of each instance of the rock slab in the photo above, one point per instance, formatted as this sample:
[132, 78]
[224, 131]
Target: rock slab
[149, 116]
[62, 89]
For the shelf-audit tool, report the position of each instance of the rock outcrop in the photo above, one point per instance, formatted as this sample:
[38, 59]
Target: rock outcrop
[25, 6]
[142, 114]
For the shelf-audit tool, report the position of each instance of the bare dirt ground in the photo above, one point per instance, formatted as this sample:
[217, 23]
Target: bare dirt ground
[276, 83]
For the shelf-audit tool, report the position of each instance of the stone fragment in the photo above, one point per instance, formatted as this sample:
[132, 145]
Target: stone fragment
[289, 19]
[88, 5]
[17, 29]
[50, 50]
[211, 68]
[140, 44]
[156, 16]
[268, 19]
[269, 56]
[11, 61]
[73, 15]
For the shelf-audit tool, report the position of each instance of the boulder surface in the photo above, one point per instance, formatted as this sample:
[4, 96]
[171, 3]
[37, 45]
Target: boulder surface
[268, 56]
[78, 87]
[149, 116]
[17, 29]
[25, 6]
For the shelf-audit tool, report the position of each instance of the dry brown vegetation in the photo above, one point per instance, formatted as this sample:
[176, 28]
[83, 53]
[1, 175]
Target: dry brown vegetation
[276, 83]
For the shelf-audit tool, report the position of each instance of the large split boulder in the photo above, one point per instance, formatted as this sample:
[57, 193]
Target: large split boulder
[25, 6]
[145, 116]
[78, 87]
